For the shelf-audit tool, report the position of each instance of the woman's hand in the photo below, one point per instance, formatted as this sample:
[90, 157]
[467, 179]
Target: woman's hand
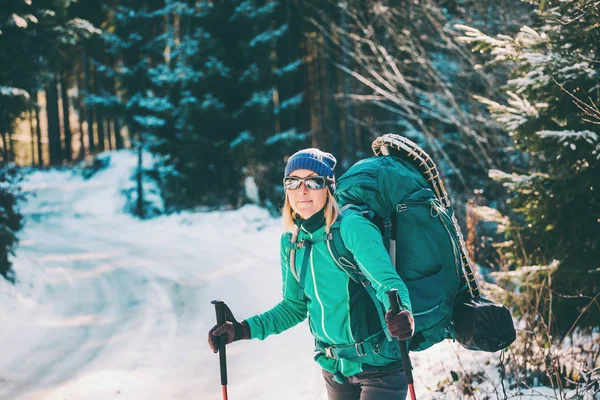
[400, 325]
[231, 330]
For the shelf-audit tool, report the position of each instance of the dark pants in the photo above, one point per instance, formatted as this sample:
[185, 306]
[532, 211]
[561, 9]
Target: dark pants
[369, 385]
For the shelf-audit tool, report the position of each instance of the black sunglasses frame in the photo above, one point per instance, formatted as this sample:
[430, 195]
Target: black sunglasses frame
[319, 186]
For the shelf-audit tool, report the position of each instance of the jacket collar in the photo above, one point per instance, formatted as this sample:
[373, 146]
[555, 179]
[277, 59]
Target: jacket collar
[314, 223]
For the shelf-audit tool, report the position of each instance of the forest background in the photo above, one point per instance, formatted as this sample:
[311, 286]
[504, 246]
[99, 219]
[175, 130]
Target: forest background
[504, 96]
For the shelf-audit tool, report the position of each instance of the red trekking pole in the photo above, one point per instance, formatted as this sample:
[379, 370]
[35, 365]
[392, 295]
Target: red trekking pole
[395, 304]
[220, 310]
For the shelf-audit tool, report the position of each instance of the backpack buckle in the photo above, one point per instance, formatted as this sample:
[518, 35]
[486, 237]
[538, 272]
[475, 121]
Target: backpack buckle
[358, 347]
[401, 208]
[329, 352]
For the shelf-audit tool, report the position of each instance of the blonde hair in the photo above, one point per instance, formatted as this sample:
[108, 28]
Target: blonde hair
[332, 211]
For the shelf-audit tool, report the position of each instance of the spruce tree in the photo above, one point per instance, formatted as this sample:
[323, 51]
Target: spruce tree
[552, 115]
[230, 84]
[267, 98]
[136, 42]
[193, 164]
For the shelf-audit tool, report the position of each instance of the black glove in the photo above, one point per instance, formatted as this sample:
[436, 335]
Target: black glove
[400, 325]
[231, 330]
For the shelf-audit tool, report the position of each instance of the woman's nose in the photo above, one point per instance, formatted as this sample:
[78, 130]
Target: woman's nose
[303, 188]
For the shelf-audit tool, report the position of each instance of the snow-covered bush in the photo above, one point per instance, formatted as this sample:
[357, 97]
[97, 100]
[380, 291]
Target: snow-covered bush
[551, 114]
[10, 218]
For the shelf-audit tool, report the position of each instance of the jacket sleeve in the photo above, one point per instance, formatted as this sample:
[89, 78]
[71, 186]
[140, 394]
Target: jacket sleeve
[363, 239]
[289, 312]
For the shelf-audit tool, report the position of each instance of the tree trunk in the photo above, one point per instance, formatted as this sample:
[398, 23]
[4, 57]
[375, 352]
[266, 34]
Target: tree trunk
[11, 150]
[312, 92]
[54, 142]
[119, 144]
[109, 133]
[139, 209]
[38, 130]
[320, 72]
[332, 107]
[349, 126]
[89, 114]
[32, 133]
[99, 110]
[81, 112]
[5, 153]
[68, 155]
[292, 54]
[118, 134]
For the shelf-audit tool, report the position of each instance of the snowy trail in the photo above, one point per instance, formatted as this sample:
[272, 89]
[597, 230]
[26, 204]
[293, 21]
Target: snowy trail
[108, 306]
[97, 305]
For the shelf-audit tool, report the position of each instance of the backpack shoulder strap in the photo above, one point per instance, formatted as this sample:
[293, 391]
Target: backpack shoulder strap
[337, 248]
[291, 242]
[340, 254]
[345, 260]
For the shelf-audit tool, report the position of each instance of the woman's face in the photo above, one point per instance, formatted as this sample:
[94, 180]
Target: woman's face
[304, 201]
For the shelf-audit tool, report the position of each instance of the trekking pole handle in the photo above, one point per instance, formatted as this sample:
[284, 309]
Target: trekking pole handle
[220, 311]
[395, 304]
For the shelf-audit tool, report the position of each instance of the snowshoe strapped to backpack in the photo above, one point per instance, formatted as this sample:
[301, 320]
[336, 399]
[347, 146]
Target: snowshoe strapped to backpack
[400, 191]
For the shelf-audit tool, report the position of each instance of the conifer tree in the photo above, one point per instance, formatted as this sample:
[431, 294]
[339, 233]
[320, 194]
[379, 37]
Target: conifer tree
[552, 115]
[137, 42]
[230, 87]
[268, 97]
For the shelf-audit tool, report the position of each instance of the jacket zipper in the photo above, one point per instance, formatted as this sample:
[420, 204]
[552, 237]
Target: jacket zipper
[312, 268]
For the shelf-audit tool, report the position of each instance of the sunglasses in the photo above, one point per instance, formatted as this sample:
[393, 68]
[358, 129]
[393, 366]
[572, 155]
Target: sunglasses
[311, 182]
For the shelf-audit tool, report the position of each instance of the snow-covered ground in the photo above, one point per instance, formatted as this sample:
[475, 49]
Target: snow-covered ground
[107, 306]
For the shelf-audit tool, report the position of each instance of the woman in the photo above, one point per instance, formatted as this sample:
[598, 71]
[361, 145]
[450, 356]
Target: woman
[355, 345]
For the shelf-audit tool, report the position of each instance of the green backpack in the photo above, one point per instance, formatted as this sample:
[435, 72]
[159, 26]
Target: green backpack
[400, 191]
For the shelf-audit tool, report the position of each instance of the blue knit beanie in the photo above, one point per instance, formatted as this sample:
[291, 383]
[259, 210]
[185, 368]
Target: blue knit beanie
[315, 160]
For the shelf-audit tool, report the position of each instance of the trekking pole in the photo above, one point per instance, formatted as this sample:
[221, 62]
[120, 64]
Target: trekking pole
[220, 310]
[395, 304]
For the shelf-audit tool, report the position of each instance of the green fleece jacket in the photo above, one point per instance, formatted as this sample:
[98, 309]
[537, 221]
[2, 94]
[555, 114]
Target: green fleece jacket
[340, 312]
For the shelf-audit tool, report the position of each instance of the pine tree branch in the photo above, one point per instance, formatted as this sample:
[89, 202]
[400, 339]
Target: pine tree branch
[590, 110]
